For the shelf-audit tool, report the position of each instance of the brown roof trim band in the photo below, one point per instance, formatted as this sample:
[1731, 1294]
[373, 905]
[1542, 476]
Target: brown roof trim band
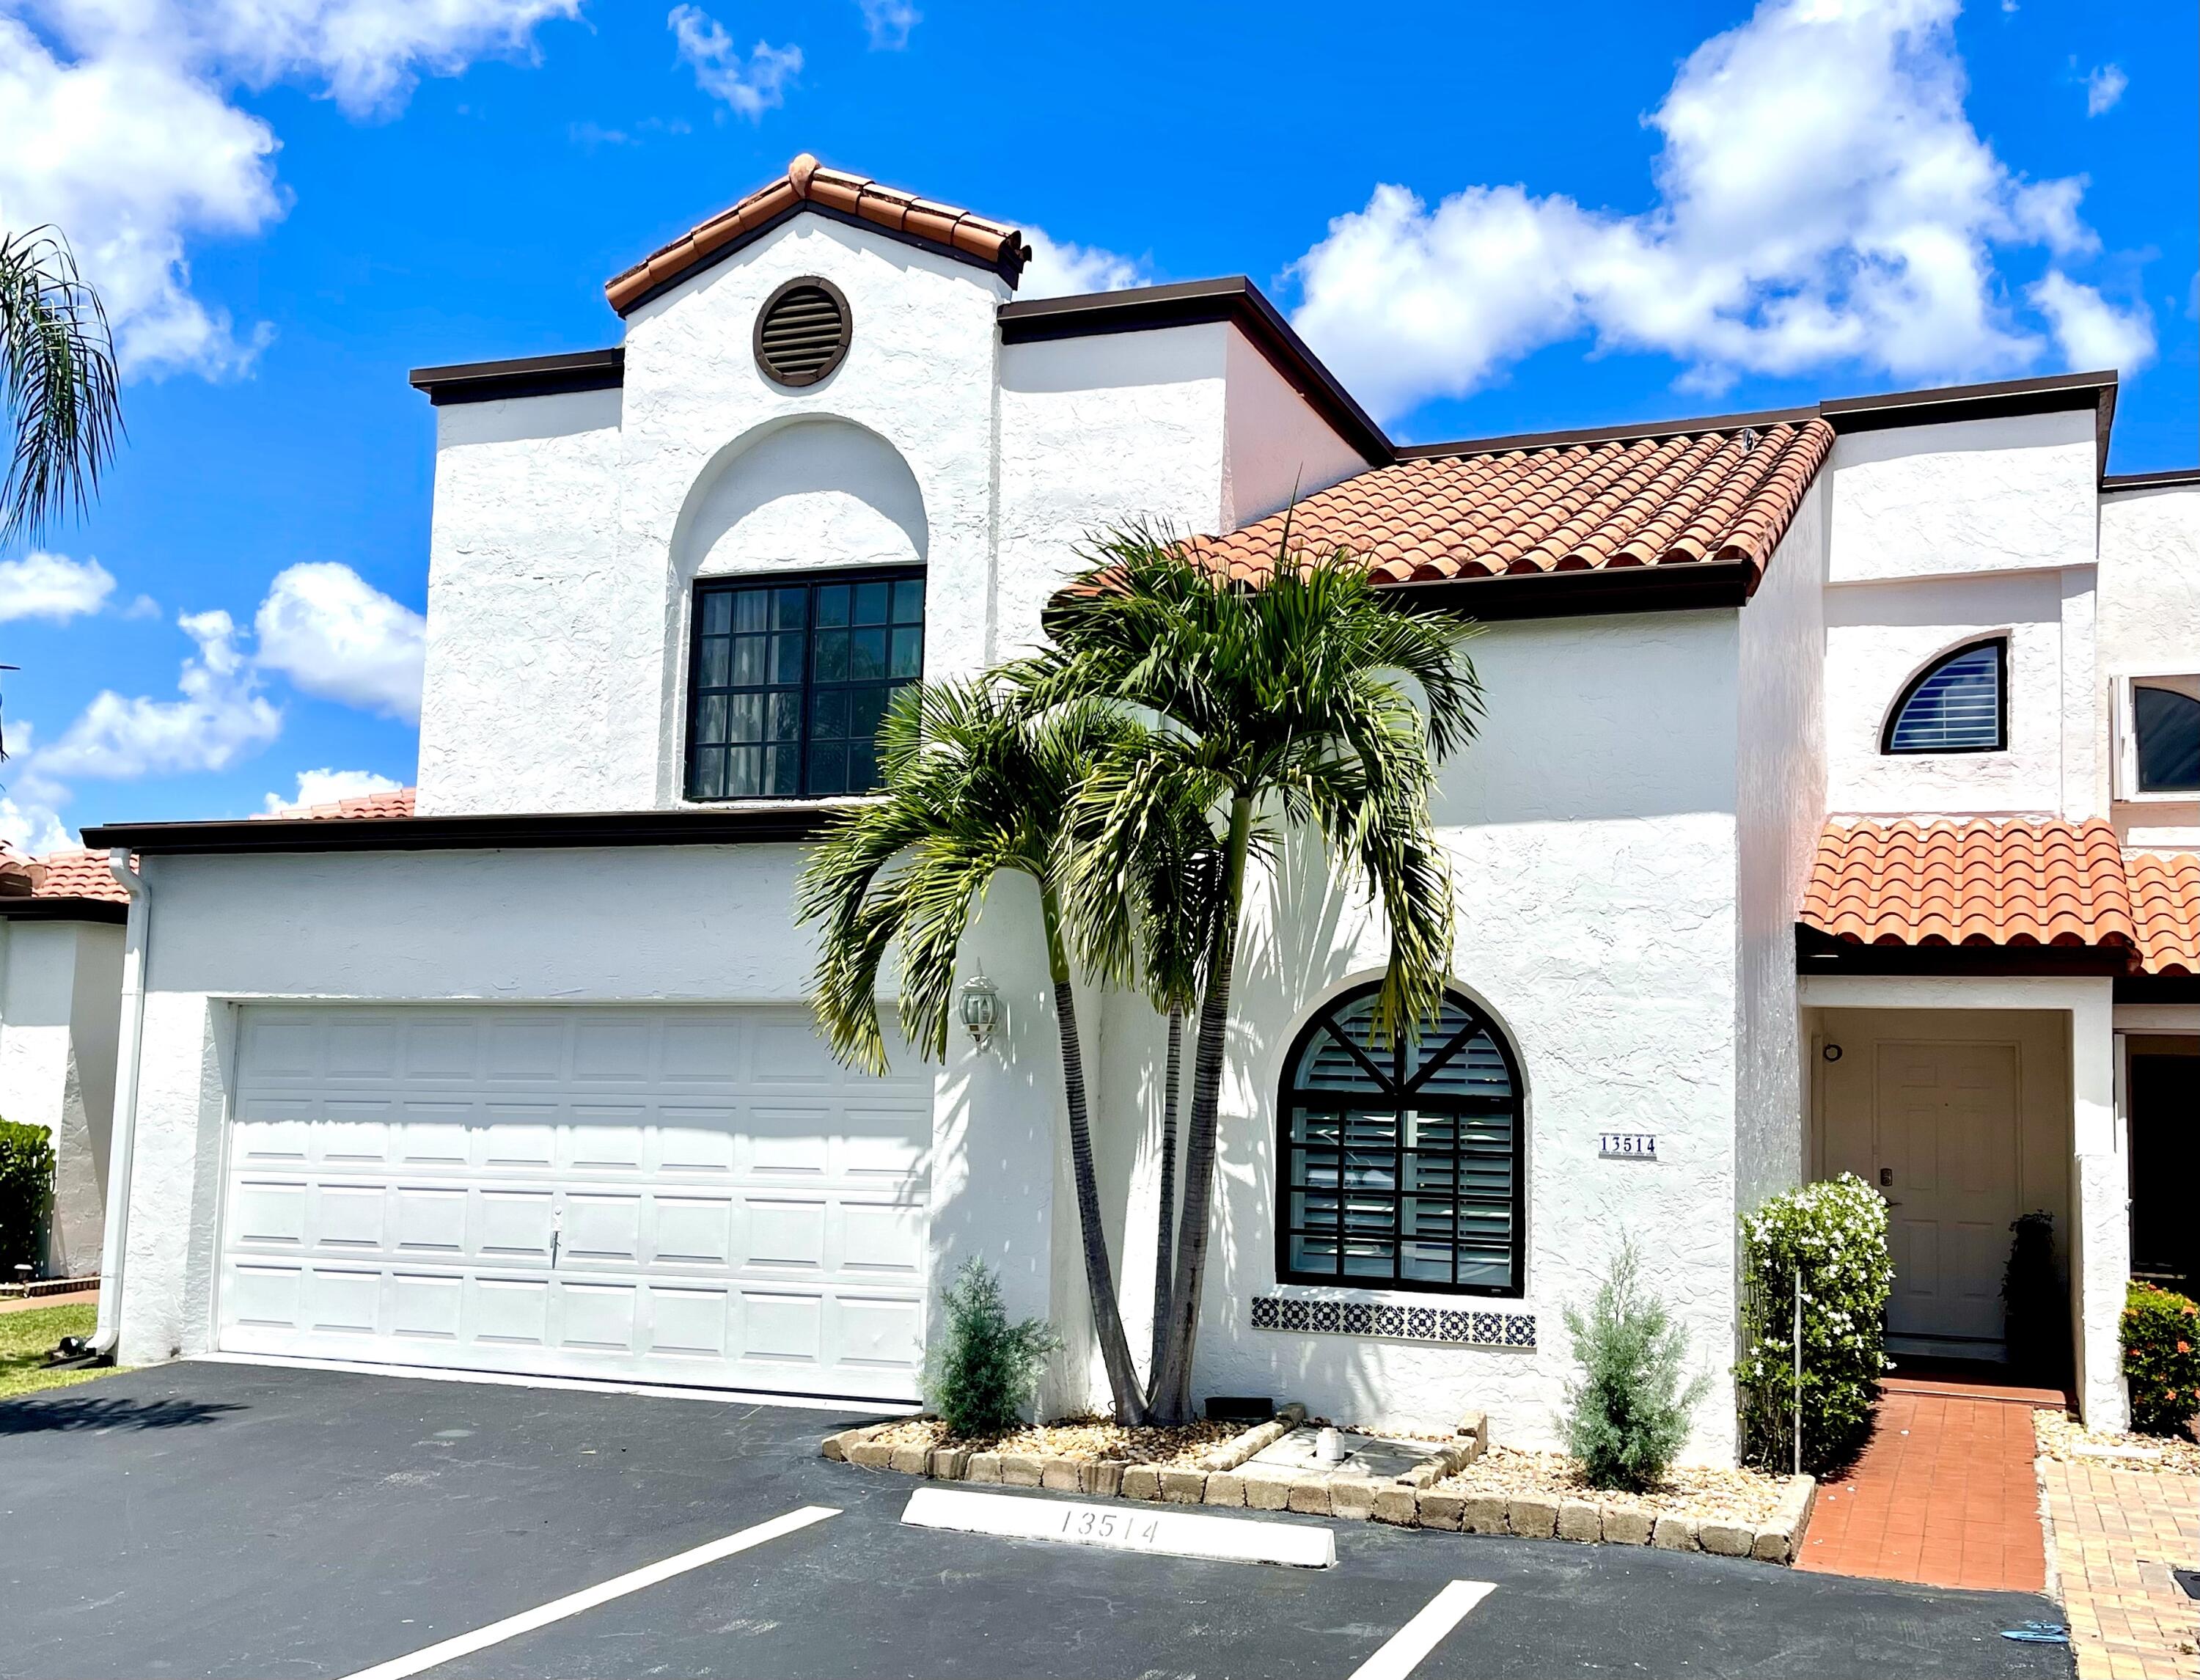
[1761, 419]
[2170, 478]
[64, 908]
[713, 825]
[1233, 299]
[522, 376]
[1818, 952]
[1586, 592]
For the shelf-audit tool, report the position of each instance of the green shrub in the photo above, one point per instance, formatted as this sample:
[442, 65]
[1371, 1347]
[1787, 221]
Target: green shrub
[26, 1195]
[1627, 1417]
[982, 1371]
[1834, 1233]
[2038, 1310]
[2160, 1334]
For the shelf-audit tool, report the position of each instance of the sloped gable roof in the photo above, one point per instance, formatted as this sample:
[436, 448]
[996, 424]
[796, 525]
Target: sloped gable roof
[809, 184]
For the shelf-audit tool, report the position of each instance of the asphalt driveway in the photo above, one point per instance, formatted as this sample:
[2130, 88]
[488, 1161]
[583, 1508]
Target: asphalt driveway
[219, 1519]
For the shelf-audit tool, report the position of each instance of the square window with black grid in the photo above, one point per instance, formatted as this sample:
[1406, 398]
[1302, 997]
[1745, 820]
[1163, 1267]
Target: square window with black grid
[791, 679]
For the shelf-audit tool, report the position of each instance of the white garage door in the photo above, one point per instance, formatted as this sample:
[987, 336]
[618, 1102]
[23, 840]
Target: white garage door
[685, 1196]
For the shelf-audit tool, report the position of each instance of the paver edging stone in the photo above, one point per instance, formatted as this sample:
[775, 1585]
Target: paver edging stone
[1410, 1500]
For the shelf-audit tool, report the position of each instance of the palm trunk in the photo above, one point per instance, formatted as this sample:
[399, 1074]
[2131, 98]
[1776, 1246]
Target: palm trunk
[1164, 1222]
[1172, 1396]
[1099, 1272]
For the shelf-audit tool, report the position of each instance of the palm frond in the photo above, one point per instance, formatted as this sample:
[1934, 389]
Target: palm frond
[58, 383]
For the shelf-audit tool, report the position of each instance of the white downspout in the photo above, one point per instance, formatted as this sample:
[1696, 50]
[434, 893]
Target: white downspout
[122, 1144]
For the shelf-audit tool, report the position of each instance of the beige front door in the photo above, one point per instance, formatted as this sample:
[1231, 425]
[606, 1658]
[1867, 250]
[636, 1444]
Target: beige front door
[1946, 1125]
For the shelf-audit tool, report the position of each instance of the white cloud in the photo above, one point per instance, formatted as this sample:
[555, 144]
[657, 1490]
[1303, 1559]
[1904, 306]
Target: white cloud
[334, 633]
[41, 585]
[221, 716]
[1060, 269]
[1822, 198]
[750, 86]
[326, 786]
[2103, 87]
[2092, 332]
[34, 827]
[889, 22]
[117, 125]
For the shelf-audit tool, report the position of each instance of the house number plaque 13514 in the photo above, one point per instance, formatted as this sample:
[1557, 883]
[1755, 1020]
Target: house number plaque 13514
[1627, 1146]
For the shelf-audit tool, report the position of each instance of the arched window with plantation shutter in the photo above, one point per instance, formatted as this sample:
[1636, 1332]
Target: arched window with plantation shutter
[1957, 704]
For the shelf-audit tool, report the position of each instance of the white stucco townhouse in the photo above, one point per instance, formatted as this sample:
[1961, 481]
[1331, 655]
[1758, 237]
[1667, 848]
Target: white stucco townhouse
[1836, 809]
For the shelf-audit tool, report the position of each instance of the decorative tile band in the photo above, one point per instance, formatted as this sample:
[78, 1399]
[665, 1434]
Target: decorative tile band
[1465, 1328]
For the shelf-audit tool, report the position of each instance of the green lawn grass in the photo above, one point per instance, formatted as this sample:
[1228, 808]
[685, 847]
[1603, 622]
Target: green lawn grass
[26, 1339]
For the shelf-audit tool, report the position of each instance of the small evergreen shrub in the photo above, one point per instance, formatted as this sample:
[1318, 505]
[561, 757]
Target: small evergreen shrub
[981, 1371]
[2160, 1334]
[1627, 1417]
[2038, 1312]
[26, 1195]
[1834, 1233]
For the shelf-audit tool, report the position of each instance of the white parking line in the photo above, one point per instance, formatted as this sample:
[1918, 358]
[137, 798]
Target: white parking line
[573, 1603]
[1402, 1653]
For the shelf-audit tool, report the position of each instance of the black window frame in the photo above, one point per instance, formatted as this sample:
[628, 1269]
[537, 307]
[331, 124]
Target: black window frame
[1290, 1097]
[810, 582]
[2000, 645]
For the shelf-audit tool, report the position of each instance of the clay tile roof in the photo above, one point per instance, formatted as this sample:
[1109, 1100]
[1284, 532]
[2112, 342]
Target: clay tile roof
[2165, 894]
[961, 233]
[79, 874]
[1977, 883]
[1720, 495]
[398, 802]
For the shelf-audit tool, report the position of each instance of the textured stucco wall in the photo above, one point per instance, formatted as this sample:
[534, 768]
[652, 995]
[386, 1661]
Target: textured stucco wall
[2150, 625]
[1594, 854]
[1780, 782]
[59, 1005]
[1979, 495]
[1277, 446]
[1880, 636]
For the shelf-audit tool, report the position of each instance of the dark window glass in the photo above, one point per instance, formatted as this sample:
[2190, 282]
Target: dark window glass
[791, 681]
[2168, 725]
[1401, 1164]
[1955, 706]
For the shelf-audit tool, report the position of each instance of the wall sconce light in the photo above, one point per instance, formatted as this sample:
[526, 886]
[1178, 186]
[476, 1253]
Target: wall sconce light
[982, 1007]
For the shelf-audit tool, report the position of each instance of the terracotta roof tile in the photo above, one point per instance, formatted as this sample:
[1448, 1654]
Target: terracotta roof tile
[1979, 882]
[398, 802]
[79, 874]
[961, 231]
[2165, 892]
[1723, 494]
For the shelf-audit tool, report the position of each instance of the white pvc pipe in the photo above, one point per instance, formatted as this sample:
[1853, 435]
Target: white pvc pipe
[121, 1144]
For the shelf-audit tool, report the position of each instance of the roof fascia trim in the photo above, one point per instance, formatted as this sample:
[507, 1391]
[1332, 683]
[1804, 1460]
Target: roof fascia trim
[1545, 440]
[2003, 400]
[2169, 478]
[1233, 300]
[1818, 952]
[522, 376]
[64, 908]
[729, 825]
[1585, 591]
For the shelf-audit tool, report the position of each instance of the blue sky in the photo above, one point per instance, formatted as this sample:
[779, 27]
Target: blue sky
[1488, 219]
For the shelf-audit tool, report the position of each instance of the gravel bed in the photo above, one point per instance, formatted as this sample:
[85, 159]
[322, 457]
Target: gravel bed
[1748, 1497]
[2060, 1436]
[1082, 1438]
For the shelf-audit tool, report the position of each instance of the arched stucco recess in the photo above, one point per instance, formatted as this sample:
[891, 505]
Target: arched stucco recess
[802, 493]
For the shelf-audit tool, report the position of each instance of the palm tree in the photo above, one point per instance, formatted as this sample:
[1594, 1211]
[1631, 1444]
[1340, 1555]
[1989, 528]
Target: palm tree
[1294, 699]
[972, 785]
[57, 383]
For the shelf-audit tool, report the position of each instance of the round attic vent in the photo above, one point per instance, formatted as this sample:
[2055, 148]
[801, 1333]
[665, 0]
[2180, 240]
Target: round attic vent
[802, 331]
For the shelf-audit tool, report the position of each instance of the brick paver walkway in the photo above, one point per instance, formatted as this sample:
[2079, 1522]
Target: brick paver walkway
[2118, 1532]
[1945, 1494]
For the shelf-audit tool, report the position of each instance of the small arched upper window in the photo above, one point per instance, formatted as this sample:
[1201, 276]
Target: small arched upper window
[1957, 704]
[2168, 725]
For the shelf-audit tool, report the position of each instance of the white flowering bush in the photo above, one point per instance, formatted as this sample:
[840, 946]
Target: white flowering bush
[1834, 1233]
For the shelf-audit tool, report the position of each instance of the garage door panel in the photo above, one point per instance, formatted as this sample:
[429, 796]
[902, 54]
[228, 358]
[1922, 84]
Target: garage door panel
[727, 1204]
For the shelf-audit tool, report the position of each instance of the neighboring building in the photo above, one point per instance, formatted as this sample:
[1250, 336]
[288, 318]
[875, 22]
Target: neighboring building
[61, 969]
[524, 1081]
